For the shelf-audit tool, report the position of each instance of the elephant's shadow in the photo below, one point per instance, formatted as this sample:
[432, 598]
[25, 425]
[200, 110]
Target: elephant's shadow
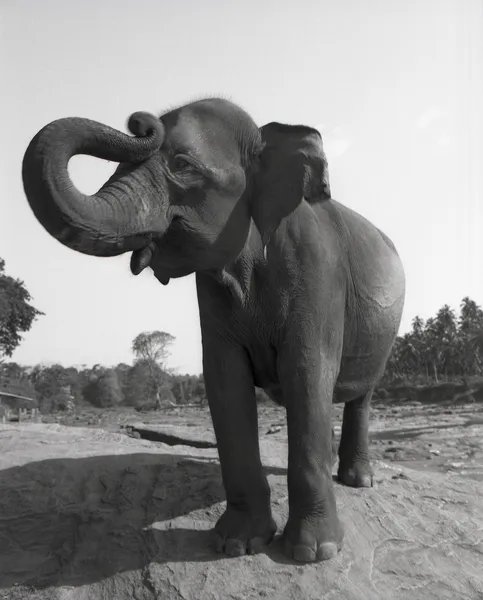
[77, 521]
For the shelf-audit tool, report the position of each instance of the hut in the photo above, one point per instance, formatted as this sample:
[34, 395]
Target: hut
[17, 408]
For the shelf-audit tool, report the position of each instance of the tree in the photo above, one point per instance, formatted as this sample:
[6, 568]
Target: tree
[471, 316]
[151, 351]
[104, 389]
[16, 313]
[442, 333]
[188, 388]
[153, 346]
[147, 385]
[445, 346]
[122, 371]
[56, 386]
[471, 326]
[14, 379]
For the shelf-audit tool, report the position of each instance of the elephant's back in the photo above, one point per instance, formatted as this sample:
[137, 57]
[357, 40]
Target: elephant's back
[375, 268]
[359, 230]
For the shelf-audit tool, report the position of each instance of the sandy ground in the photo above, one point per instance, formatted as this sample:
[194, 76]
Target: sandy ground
[87, 511]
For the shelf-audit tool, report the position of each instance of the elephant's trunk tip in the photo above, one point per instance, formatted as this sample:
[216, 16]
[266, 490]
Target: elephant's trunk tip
[143, 124]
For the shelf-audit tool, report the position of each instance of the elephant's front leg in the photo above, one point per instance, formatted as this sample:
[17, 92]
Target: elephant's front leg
[313, 531]
[247, 523]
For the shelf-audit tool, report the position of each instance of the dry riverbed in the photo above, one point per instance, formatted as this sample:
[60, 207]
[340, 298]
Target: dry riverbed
[93, 507]
[423, 437]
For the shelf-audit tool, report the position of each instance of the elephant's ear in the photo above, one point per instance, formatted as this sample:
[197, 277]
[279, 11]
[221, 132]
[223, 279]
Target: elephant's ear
[293, 166]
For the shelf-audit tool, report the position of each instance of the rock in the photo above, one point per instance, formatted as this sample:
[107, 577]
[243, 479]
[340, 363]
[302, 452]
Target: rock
[456, 465]
[274, 429]
[88, 514]
[398, 453]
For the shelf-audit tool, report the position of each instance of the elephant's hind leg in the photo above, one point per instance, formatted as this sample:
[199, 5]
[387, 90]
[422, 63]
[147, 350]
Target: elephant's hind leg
[354, 464]
[335, 448]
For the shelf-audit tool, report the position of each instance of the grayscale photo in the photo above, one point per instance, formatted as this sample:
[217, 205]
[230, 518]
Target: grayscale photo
[241, 300]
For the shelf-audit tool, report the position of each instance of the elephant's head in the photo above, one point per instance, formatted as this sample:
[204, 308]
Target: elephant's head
[186, 188]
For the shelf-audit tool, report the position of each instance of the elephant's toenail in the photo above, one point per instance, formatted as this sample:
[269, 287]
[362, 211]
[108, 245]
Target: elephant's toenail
[327, 550]
[255, 545]
[365, 481]
[304, 554]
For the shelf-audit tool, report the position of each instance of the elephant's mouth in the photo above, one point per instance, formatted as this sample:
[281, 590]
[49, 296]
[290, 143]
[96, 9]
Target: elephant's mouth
[165, 267]
[140, 259]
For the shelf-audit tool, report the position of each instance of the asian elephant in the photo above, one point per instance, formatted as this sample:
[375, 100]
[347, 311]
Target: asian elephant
[297, 294]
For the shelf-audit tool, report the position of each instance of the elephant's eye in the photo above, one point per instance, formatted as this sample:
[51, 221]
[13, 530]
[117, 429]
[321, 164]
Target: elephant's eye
[180, 162]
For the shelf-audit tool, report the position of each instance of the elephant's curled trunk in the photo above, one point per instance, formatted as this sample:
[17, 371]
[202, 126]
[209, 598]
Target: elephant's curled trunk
[125, 213]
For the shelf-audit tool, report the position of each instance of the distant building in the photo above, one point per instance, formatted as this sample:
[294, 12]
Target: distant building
[17, 408]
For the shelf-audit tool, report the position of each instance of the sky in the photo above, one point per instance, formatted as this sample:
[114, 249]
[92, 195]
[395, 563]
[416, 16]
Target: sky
[396, 89]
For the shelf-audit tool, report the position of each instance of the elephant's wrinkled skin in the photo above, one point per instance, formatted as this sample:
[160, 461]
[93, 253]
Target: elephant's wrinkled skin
[297, 294]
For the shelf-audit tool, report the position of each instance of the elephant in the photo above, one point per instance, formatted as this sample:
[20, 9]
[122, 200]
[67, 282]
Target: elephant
[297, 294]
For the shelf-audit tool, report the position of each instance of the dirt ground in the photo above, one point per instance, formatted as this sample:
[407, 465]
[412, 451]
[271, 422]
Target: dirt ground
[91, 510]
[423, 437]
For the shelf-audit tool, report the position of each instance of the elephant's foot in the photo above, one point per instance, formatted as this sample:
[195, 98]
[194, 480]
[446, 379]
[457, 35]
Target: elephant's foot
[312, 538]
[237, 532]
[356, 474]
